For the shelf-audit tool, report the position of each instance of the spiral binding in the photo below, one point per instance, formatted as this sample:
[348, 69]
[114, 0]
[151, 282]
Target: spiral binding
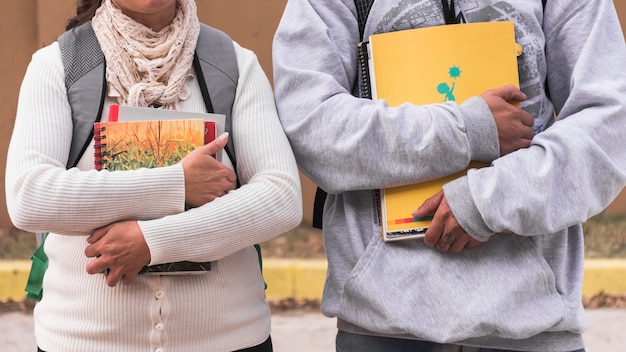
[99, 147]
[365, 88]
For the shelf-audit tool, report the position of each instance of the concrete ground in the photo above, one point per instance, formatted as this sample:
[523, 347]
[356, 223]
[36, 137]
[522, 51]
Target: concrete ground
[312, 332]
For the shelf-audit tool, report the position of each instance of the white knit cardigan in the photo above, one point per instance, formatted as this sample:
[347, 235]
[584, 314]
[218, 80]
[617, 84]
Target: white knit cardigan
[224, 310]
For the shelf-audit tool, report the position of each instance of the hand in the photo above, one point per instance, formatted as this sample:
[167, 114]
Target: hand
[444, 233]
[514, 124]
[120, 251]
[205, 177]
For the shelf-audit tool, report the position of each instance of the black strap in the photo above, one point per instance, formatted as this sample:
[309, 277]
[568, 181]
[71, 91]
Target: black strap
[318, 207]
[203, 87]
[545, 83]
[362, 10]
[209, 105]
[449, 12]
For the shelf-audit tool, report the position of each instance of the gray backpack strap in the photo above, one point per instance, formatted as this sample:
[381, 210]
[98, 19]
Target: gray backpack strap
[84, 65]
[216, 61]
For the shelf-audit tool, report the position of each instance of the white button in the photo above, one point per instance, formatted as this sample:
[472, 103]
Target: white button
[159, 327]
[158, 350]
[159, 294]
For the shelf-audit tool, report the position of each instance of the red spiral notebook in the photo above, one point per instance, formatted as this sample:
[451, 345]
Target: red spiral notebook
[130, 145]
[213, 123]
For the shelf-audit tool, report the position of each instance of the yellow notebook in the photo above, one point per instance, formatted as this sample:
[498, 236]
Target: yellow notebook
[435, 65]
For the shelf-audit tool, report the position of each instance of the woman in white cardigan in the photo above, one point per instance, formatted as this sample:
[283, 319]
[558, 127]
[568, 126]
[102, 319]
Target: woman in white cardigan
[118, 222]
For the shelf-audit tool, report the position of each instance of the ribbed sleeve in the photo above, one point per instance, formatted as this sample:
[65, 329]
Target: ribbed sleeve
[222, 310]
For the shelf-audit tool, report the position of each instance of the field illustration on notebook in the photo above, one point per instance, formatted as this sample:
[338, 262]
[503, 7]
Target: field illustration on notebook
[136, 144]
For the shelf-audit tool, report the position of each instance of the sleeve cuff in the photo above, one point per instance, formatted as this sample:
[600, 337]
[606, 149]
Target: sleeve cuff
[459, 199]
[481, 130]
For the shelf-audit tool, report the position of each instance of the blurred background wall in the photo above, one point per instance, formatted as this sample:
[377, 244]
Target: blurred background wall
[31, 24]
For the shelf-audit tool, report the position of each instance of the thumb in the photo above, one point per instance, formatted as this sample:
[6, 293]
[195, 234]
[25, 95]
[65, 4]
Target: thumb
[429, 206]
[510, 93]
[215, 145]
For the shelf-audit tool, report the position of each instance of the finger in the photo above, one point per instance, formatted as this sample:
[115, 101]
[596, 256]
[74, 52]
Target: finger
[429, 206]
[529, 137]
[97, 234]
[98, 266]
[444, 243]
[92, 251]
[113, 278]
[232, 178]
[529, 134]
[433, 233]
[527, 119]
[216, 145]
[472, 244]
[128, 278]
[458, 246]
[510, 93]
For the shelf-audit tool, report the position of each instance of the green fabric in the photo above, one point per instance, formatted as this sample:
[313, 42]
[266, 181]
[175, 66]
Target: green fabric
[258, 252]
[34, 286]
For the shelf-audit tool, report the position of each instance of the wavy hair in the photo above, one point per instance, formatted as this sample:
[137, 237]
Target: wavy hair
[85, 10]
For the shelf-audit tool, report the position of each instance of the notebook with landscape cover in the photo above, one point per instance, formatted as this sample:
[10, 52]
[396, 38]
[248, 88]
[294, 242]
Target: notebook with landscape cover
[433, 65]
[129, 145]
[214, 123]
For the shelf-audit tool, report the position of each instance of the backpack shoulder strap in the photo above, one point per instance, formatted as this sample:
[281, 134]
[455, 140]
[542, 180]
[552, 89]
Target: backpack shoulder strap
[362, 11]
[216, 61]
[86, 101]
[84, 64]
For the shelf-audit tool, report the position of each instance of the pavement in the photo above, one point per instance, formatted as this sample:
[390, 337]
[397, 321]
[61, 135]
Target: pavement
[306, 331]
[299, 331]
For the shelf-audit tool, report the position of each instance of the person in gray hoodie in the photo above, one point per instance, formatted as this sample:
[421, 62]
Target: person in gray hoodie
[501, 266]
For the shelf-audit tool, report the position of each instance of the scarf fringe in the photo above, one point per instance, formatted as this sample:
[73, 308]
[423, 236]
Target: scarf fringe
[145, 67]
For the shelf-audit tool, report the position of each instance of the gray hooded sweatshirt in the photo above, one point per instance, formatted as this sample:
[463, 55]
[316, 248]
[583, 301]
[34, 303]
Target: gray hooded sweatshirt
[521, 288]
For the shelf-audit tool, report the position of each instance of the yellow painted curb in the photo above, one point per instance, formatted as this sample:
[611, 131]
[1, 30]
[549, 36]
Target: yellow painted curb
[304, 279]
[604, 275]
[13, 277]
[294, 278]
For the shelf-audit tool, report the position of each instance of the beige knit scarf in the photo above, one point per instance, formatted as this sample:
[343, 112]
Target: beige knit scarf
[145, 67]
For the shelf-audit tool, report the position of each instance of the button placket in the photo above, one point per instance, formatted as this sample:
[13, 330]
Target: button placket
[158, 337]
